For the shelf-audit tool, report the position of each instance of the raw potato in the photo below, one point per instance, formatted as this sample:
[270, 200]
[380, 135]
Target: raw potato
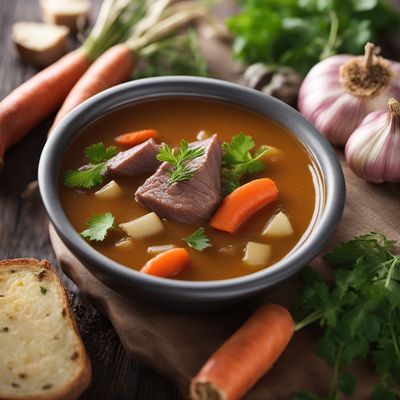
[279, 225]
[148, 225]
[72, 13]
[110, 191]
[257, 253]
[160, 249]
[42, 356]
[40, 44]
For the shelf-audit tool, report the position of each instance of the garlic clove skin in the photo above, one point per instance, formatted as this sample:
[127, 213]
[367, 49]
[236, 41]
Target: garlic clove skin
[373, 150]
[334, 111]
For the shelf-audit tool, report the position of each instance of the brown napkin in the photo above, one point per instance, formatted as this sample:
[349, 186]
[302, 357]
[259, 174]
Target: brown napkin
[177, 344]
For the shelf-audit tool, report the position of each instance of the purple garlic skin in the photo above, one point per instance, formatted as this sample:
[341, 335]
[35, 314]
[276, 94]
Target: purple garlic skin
[334, 111]
[373, 150]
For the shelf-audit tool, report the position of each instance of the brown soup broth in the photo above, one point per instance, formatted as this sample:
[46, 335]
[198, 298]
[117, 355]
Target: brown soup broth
[175, 119]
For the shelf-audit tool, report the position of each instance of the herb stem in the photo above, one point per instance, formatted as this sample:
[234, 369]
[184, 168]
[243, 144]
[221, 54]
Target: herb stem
[390, 273]
[331, 42]
[314, 316]
[333, 395]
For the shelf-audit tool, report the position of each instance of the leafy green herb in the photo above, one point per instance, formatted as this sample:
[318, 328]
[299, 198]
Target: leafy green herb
[98, 226]
[237, 161]
[43, 290]
[177, 55]
[180, 170]
[360, 313]
[299, 33]
[91, 174]
[198, 240]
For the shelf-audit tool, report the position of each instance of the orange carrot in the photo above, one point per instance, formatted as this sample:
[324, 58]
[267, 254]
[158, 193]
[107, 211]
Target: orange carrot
[134, 138]
[246, 356]
[168, 263]
[242, 203]
[38, 97]
[111, 68]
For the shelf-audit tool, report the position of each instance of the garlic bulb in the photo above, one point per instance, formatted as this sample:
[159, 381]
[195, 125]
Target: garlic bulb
[340, 91]
[373, 150]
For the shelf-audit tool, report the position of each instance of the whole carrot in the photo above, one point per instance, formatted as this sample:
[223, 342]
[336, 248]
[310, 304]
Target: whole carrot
[111, 68]
[38, 97]
[41, 95]
[116, 65]
[246, 356]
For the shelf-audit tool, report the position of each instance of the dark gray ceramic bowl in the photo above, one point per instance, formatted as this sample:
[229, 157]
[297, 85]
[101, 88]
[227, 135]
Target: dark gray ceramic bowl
[185, 295]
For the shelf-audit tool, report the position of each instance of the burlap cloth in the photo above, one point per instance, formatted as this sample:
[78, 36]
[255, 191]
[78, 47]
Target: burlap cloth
[177, 344]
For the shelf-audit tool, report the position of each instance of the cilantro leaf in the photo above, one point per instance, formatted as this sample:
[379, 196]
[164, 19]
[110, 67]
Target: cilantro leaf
[198, 240]
[359, 312]
[98, 226]
[92, 174]
[237, 161]
[86, 178]
[299, 33]
[180, 170]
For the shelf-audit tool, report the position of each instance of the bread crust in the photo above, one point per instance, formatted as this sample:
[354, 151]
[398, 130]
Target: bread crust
[82, 379]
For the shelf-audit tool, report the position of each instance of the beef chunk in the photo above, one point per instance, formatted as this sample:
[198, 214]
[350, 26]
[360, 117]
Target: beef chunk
[140, 159]
[192, 201]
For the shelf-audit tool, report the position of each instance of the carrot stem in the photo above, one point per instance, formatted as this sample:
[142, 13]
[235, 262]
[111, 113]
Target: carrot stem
[246, 356]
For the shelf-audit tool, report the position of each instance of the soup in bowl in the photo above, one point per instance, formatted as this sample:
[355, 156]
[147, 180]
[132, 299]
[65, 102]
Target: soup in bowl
[190, 191]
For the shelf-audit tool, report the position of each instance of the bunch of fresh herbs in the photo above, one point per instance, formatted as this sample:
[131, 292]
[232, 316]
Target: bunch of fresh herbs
[359, 313]
[299, 33]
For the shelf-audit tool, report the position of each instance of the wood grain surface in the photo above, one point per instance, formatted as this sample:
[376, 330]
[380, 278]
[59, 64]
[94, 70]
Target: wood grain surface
[24, 233]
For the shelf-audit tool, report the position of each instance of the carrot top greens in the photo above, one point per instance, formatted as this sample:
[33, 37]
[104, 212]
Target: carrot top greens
[93, 173]
[180, 170]
[360, 313]
[238, 160]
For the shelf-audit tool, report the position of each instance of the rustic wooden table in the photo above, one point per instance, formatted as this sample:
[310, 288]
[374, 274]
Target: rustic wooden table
[23, 233]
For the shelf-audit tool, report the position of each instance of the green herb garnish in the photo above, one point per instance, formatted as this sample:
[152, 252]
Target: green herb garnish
[91, 174]
[98, 226]
[360, 313]
[198, 240]
[237, 160]
[299, 33]
[180, 170]
[43, 290]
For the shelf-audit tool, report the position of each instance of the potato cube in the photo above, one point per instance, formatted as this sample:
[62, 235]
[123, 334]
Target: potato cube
[109, 191]
[148, 225]
[279, 225]
[257, 253]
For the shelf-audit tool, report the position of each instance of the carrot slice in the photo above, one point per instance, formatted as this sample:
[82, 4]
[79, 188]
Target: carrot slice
[246, 356]
[168, 263]
[242, 203]
[134, 138]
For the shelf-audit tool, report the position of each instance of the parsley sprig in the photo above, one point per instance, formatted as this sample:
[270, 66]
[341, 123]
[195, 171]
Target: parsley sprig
[93, 173]
[180, 170]
[360, 313]
[238, 160]
[198, 240]
[98, 225]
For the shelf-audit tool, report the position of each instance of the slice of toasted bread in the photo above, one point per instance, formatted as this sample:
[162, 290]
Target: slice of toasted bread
[40, 44]
[42, 356]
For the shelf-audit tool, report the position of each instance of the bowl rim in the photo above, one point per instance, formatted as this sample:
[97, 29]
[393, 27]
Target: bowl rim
[175, 86]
